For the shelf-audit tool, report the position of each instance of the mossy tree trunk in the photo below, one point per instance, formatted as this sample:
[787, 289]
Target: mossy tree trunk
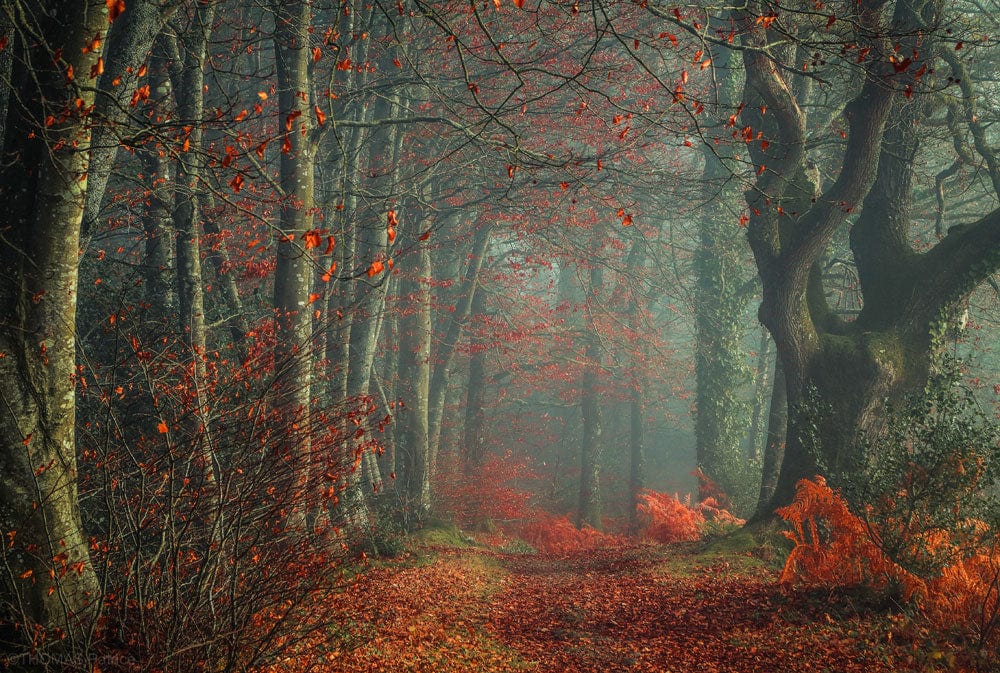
[722, 292]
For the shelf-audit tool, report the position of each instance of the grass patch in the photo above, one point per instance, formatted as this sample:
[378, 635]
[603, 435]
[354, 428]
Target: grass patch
[740, 550]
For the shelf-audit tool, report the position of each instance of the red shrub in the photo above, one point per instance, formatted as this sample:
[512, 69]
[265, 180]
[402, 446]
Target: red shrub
[665, 519]
[833, 547]
[557, 535]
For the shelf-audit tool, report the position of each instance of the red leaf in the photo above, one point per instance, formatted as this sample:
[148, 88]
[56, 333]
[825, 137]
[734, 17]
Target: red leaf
[236, 183]
[320, 116]
[519, 4]
[317, 54]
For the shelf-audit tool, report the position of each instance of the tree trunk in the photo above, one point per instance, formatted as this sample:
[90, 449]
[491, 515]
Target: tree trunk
[43, 183]
[473, 447]
[589, 512]
[774, 443]
[224, 277]
[293, 273]
[760, 388]
[446, 350]
[130, 38]
[189, 90]
[415, 378]
[722, 296]
[158, 261]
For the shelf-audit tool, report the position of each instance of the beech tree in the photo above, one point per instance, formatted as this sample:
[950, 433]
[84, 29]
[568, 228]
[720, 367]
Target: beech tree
[56, 56]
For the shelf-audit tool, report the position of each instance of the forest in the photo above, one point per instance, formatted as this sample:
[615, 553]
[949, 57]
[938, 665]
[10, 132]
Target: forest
[499, 335]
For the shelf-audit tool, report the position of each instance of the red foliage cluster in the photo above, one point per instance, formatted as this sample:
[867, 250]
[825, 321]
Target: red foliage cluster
[550, 534]
[833, 547]
[665, 518]
[843, 554]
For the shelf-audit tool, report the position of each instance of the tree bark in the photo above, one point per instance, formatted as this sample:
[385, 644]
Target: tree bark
[589, 511]
[293, 272]
[722, 296]
[774, 444]
[130, 39]
[446, 350]
[189, 75]
[44, 186]
[415, 379]
[474, 444]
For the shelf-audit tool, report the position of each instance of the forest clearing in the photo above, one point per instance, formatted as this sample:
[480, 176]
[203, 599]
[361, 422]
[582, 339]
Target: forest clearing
[499, 335]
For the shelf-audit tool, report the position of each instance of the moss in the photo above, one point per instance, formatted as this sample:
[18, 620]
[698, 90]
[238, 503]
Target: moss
[442, 534]
[743, 550]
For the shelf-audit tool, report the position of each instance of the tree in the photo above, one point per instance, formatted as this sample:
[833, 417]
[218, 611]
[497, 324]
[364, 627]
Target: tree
[46, 150]
[839, 373]
[293, 271]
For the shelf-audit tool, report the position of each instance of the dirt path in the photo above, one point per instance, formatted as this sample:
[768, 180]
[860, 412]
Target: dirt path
[639, 609]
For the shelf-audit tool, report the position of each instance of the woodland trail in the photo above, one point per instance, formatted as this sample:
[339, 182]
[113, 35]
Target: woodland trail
[659, 609]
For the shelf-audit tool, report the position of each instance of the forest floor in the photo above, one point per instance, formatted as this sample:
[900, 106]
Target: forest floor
[700, 607]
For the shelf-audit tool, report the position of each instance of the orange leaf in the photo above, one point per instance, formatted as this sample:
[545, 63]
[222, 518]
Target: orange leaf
[312, 239]
[317, 53]
[376, 268]
[162, 427]
[320, 116]
[115, 9]
[519, 4]
[237, 184]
